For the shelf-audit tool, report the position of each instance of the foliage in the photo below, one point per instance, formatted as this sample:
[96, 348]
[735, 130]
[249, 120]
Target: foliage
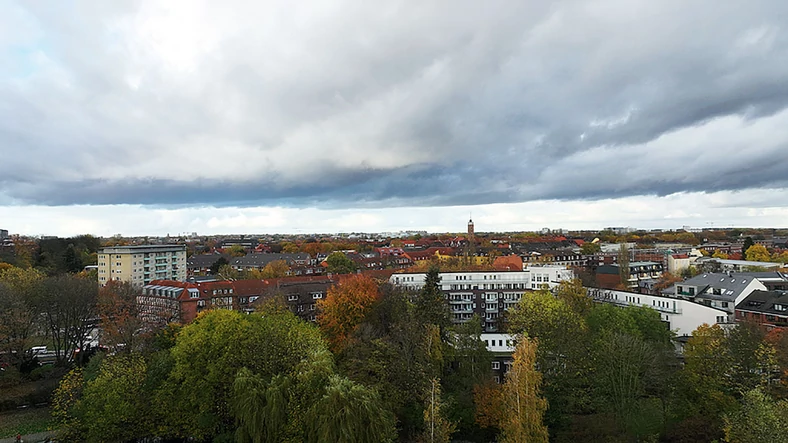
[489, 404]
[430, 303]
[590, 248]
[113, 407]
[218, 264]
[121, 321]
[575, 296]
[759, 420]
[210, 352]
[236, 251]
[345, 306]
[623, 264]
[276, 269]
[437, 428]
[357, 415]
[707, 363]
[339, 263]
[757, 253]
[522, 403]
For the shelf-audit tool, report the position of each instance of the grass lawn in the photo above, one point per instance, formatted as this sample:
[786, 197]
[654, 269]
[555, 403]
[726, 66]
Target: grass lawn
[26, 421]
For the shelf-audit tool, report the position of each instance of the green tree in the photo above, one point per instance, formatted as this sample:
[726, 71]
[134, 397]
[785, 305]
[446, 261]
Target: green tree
[707, 368]
[339, 263]
[575, 295]
[623, 264]
[218, 264]
[437, 428]
[18, 313]
[522, 402]
[746, 245]
[210, 352]
[236, 251]
[759, 420]
[114, 406]
[349, 412]
[590, 248]
[430, 304]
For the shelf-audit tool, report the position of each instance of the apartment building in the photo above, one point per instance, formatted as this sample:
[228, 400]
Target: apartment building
[486, 293]
[142, 264]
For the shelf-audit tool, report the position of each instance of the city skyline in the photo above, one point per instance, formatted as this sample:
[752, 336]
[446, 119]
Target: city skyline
[146, 118]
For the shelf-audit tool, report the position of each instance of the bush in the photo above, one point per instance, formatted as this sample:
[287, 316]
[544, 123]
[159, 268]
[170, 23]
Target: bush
[41, 372]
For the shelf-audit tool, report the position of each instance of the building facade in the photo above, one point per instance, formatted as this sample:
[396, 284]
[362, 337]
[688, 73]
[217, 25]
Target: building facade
[487, 294]
[142, 264]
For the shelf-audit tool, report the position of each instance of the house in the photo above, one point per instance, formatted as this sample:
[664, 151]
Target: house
[201, 264]
[502, 347]
[767, 308]
[260, 261]
[718, 290]
[640, 274]
[681, 316]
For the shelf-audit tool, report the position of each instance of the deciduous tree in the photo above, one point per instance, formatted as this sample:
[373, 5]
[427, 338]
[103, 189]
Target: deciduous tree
[758, 253]
[276, 269]
[523, 405]
[122, 326]
[339, 263]
[344, 308]
[68, 307]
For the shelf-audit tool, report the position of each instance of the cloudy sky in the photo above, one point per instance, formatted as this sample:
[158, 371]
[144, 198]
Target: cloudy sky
[151, 117]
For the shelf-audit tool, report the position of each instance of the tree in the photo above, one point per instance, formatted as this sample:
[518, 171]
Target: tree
[746, 245]
[236, 251]
[72, 261]
[719, 254]
[113, 406]
[68, 307]
[522, 403]
[339, 263]
[430, 304]
[707, 367]
[345, 306]
[349, 412]
[590, 248]
[18, 313]
[667, 280]
[623, 264]
[122, 326]
[757, 253]
[575, 296]
[210, 352]
[759, 420]
[218, 264]
[276, 269]
[437, 428]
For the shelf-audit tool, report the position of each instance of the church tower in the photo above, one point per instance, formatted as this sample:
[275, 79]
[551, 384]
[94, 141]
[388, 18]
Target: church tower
[470, 230]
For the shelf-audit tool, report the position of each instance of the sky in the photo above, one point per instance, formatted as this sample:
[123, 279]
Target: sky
[153, 118]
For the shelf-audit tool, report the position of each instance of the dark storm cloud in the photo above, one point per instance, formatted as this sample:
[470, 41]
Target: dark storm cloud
[438, 104]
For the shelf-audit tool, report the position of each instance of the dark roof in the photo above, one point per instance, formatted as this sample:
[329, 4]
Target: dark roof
[205, 260]
[730, 285]
[260, 260]
[764, 301]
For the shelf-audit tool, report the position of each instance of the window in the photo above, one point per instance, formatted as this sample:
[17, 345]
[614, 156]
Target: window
[312, 307]
[292, 297]
[317, 295]
[496, 365]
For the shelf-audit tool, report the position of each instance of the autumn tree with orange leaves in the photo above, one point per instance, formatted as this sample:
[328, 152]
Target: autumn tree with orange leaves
[344, 308]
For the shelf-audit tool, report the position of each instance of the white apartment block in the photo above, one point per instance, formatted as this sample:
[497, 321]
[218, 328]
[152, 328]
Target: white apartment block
[142, 264]
[682, 316]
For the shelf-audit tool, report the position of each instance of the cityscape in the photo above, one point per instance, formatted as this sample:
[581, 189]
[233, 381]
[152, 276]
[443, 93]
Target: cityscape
[364, 222]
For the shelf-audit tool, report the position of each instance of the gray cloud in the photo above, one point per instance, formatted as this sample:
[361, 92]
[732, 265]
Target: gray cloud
[438, 104]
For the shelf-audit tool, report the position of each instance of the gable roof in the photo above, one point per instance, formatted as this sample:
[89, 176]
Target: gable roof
[764, 302]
